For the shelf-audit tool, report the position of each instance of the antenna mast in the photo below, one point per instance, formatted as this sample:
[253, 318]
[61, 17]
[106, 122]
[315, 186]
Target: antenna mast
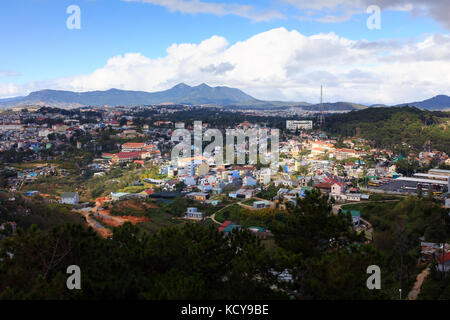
[321, 112]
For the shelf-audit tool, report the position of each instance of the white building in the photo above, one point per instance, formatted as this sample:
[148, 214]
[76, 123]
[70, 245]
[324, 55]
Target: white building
[179, 125]
[299, 125]
[354, 197]
[70, 198]
[261, 204]
[447, 203]
[193, 214]
[44, 133]
[11, 127]
[337, 188]
[99, 174]
[119, 196]
[265, 176]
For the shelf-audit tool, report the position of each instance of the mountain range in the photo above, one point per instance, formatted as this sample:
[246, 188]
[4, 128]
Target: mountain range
[180, 94]
[440, 102]
[185, 94]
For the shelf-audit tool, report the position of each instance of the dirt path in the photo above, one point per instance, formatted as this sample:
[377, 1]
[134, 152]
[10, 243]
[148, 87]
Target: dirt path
[213, 216]
[245, 206]
[336, 208]
[101, 230]
[117, 221]
[107, 219]
[415, 291]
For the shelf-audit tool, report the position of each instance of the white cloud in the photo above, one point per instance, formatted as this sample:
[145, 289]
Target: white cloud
[218, 9]
[323, 4]
[437, 9]
[8, 90]
[8, 73]
[282, 65]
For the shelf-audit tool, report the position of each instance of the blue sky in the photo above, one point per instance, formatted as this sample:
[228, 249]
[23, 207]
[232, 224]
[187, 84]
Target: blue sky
[38, 49]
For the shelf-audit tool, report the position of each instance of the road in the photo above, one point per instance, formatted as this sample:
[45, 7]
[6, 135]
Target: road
[213, 216]
[415, 291]
[370, 229]
[336, 207]
[102, 231]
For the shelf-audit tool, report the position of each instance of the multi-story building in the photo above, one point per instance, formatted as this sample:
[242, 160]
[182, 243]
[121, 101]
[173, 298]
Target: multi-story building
[265, 176]
[125, 157]
[193, 214]
[299, 125]
[133, 146]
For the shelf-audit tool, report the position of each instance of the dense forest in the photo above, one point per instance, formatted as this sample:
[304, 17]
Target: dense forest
[324, 256]
[216, 118]
[399, 226]
[194, 261]
[390, 127]
[27, 212]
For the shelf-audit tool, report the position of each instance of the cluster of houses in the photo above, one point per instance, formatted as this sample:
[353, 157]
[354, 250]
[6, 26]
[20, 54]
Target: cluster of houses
[438, 253]
[32, 131]
[307, 160]
[133, 151]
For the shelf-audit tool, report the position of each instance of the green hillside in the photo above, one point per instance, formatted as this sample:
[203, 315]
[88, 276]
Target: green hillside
[390, 127]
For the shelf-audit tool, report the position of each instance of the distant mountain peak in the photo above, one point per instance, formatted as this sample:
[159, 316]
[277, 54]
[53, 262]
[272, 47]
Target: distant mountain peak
[203, 85]
[439, 102]
[182, 85]
[179, 94]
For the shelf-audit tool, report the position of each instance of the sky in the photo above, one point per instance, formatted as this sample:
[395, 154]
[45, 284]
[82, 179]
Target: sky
[271, 49]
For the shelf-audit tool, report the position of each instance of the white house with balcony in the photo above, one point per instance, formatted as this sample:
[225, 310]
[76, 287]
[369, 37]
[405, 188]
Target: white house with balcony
[193, 214]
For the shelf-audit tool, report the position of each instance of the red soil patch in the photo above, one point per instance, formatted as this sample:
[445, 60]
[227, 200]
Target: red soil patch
[116, 221]
[135, 205]
[101, 201]
[134, 220]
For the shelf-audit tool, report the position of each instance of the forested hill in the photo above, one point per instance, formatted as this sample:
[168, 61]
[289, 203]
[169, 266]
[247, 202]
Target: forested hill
[389, 127]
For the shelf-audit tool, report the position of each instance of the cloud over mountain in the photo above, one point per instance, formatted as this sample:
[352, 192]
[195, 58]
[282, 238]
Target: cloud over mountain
[280, 65]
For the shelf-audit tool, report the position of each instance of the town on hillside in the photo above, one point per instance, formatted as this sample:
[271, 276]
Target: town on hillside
[109, 167]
